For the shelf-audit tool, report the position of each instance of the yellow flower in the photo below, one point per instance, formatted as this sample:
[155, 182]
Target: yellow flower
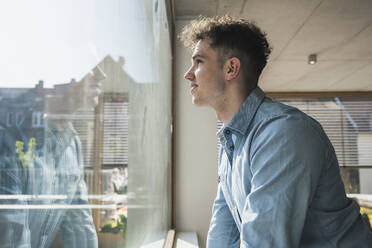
[26, 159]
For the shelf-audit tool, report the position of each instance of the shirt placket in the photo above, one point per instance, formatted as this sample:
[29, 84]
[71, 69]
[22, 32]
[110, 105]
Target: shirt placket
[229, 145]
[226, 186]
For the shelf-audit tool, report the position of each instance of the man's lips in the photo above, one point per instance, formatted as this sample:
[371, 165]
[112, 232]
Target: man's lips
[193, 87]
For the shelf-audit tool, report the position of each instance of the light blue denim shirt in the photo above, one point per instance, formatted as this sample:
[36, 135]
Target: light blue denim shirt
[279, 183]
[56, 170]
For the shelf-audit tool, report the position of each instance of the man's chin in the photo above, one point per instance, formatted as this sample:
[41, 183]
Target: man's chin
[197, 102]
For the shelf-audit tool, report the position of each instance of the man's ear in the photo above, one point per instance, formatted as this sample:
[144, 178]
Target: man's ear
[232, 68]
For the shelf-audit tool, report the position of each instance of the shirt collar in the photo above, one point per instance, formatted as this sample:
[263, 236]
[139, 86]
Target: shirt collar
[243, 117]
[67, 130]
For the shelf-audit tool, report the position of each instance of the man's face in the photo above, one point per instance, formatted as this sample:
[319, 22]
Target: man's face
[205, 76]
[87, 91]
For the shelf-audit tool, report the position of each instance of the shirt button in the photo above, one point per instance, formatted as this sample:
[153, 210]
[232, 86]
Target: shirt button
[227, 132]
[231, 148]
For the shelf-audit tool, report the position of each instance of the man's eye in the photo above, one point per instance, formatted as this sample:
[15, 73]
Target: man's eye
[198, 61]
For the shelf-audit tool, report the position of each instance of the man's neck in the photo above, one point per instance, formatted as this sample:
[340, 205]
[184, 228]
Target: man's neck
[226, 110]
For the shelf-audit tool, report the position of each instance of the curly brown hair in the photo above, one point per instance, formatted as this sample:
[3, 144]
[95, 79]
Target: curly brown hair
[231, 38]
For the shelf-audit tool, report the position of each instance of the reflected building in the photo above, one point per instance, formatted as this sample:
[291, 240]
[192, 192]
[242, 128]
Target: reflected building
[102, 130]
[23, 108]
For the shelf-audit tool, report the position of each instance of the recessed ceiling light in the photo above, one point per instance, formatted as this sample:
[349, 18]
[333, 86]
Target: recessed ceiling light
[312, 59]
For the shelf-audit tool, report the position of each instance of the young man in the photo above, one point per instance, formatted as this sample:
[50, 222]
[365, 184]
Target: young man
[279, 181]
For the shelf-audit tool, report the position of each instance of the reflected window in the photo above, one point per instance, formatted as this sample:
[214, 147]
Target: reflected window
[115, 130]
[9, 119]
[19, 118]
[37, 120]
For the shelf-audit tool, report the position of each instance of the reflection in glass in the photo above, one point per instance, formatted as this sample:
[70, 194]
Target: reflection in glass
[42, 161]
[85, 153]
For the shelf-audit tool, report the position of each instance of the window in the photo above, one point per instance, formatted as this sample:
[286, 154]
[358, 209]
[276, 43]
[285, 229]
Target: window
[115, 130]
[37, 120]
[19, 118]
[85, 145]
[9, 119]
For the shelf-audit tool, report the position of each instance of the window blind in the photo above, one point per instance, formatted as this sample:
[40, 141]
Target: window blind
[115, 131]
[83, 123]
[348, 124]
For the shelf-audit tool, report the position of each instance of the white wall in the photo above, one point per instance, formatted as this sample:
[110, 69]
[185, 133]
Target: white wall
[196, 154]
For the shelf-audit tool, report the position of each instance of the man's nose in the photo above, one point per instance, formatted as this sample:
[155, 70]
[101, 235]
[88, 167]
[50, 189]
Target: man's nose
[189, 75]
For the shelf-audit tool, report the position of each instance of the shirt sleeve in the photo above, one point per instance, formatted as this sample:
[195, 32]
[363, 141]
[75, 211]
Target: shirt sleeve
[223, 232]
[286, 155]
[13, 222]
[77, 227]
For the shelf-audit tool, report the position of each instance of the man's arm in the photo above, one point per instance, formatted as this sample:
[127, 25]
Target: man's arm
[77, 227]
[222, 231]
[13, 222]
[287, 155]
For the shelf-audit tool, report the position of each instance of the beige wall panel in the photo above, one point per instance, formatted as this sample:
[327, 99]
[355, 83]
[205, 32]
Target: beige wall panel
[196, 155]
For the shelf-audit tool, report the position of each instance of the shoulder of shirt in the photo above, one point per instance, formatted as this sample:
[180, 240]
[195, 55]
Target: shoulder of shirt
[270, 109]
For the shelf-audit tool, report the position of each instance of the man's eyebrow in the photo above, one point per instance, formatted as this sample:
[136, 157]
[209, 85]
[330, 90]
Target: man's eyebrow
[196, 56]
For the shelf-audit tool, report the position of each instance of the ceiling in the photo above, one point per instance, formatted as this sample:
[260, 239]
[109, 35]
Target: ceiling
[338, 31]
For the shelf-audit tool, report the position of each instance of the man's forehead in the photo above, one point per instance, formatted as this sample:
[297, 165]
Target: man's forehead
[201, 49]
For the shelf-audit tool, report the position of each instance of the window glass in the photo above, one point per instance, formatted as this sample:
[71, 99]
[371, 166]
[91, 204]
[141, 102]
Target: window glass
[85, 123]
